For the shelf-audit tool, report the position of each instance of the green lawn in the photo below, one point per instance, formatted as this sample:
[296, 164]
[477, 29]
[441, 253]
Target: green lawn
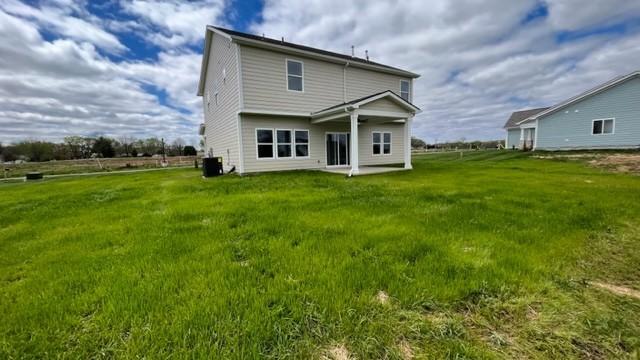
[484, 256]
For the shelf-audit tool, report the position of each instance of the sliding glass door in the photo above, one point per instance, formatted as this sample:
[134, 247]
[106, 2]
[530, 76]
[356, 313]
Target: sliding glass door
[337, 149]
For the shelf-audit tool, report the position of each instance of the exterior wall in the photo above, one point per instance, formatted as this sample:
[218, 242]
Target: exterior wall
[265, 84]
[513, 138]
[317, 152]
[383, 105]
[362, 82]
[365, 146]
[221, 120]
[570, 128]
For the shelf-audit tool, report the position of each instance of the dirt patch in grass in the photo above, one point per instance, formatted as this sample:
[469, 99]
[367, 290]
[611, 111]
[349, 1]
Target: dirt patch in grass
[337, 352]
[615, 162]
[382, 297]
[405, 349]
[618, 290]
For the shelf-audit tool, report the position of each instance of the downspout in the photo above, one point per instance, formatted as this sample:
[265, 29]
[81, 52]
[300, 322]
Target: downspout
[344, 82]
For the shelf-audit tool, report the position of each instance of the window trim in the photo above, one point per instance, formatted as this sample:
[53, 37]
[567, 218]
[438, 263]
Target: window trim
[613, 126]
[286, 70]
[277, 143]
[273, 153]
[381, 132]
[308, 143]
[408, 92]
[274, 145]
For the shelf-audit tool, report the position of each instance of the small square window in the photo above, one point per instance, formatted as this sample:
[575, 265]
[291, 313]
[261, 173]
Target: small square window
[381, 143]
[603, 126]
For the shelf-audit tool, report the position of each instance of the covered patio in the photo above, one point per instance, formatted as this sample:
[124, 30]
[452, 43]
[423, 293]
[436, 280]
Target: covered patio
[381, 108]
[365, 170]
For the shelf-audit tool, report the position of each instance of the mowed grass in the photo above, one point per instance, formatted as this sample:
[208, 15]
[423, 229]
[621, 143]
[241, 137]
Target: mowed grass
[485, 256]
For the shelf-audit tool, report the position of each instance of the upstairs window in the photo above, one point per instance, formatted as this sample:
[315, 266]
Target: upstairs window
[295, 75]
[404, 89]
[602, 126]
[264, 140]
[381, 143]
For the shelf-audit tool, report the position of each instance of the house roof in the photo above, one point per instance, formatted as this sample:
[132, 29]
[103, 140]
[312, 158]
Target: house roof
[519, 116]
[367, 99]
[286, 44]
[591, 92]
[261, 41]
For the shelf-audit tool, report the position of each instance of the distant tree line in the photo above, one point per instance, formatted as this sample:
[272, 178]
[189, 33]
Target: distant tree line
[79, 147]
[456, 145]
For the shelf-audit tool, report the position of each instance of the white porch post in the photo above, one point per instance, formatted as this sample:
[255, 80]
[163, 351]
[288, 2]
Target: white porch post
[355, 168]
[407, 137]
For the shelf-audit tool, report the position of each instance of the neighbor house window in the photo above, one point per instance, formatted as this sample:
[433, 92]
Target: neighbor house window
[602, 126]
[381, 143]
[284, 143]
[295, 75]
[404, 89]
[264, 139]
[302, 143]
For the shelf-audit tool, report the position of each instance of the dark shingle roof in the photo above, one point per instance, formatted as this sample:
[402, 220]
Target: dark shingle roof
[518, 116]
[309, 49]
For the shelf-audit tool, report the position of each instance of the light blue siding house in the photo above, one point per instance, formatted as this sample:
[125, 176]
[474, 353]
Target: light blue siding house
[605, 117]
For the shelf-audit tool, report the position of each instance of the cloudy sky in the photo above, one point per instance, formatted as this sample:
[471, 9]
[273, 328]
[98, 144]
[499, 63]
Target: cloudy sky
[74, 67]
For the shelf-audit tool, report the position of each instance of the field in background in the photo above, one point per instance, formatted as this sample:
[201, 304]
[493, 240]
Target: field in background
[58, 167]
[492, 255]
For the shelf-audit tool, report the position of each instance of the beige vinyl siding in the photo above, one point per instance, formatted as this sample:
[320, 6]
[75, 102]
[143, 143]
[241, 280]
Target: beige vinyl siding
[265, 82]
[365, 144]
[384, 105]
[317, 147]
[221, 120]
[362, 82]
[317, 155]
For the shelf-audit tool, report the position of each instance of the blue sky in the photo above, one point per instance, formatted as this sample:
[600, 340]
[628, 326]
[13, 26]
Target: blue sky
[130, 68]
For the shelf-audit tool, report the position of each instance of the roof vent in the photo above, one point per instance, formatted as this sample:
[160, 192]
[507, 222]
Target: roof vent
[366, 54]
[282, 39]
[353, 51]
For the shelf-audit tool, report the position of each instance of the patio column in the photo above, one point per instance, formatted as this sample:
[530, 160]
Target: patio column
[355, 169]
[407, 140]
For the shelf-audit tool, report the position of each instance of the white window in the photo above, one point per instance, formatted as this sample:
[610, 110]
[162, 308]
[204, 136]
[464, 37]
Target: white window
[284, 143]
[602, 126]
[301, 139]
[295, 73]
[404, 89]
[381, 143]
[264, 141]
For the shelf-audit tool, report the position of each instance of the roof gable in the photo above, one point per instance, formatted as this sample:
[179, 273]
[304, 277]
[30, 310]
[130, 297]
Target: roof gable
[370, 99]
[520, 116]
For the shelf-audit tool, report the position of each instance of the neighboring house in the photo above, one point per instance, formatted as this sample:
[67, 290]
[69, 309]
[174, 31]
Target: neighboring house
[605, 117]
[273, 105]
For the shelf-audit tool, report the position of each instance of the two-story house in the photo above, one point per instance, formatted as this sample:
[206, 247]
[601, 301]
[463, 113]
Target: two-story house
[273, 105]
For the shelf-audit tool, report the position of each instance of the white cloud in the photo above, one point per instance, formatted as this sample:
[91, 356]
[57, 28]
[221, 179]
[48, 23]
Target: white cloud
[479, 60]
[177, 22]
[60, 19]
[574, 15]
[52, 89]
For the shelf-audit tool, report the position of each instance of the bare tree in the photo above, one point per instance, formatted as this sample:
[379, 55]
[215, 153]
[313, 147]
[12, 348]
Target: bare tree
[178, 146]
